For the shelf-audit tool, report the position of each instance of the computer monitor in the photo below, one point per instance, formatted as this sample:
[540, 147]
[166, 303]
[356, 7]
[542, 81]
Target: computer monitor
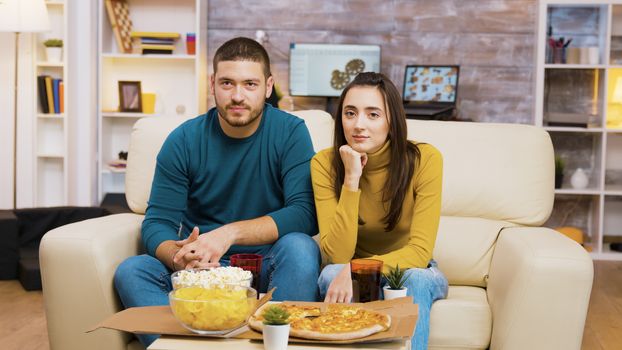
[431, 84]
[325, 69]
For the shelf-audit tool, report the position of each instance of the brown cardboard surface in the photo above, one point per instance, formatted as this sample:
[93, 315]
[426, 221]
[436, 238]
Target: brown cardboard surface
[160, 320]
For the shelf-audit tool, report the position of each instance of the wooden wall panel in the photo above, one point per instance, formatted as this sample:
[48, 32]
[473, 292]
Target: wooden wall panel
[492, 41]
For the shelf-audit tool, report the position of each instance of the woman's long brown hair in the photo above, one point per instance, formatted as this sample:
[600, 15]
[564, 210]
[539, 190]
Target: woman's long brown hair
[404, 154]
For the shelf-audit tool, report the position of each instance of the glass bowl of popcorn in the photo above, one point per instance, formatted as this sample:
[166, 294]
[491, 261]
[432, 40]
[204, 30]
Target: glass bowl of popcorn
[216, 309]
[213, 276]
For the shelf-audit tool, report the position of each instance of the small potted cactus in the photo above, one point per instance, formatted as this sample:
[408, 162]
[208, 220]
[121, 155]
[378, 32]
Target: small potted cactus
[276, 328]
[395, 283]
[53, 49]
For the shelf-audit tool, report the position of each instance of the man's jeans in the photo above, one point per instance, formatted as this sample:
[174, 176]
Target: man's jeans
[424, 285]
[292, 265]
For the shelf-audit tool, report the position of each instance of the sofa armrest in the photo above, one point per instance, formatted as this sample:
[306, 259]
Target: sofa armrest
[539, 290]
[78, 262]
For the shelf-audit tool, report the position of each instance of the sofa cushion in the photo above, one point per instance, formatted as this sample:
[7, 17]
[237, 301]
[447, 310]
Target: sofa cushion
[462, 321]
[321, 127]
[495, 171]
[147, 138]
[464, 248]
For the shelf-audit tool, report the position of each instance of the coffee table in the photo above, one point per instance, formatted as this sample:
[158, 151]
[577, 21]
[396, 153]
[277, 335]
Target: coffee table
[190, 343]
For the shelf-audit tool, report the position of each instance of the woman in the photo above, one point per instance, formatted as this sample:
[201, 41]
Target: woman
[378, 195]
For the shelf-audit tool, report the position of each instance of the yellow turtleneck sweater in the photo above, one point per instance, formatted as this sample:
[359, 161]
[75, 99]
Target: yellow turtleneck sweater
[412, 240]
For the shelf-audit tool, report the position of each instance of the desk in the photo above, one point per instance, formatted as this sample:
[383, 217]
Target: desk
[193, 343]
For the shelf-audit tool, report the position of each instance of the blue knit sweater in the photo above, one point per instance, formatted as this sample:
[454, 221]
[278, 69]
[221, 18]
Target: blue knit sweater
[205, 178]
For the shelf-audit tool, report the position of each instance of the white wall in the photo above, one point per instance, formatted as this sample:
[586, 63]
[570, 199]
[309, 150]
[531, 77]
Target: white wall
[82, 102]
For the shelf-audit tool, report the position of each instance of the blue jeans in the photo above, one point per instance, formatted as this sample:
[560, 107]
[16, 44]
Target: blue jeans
[424, 285]
[292, 264]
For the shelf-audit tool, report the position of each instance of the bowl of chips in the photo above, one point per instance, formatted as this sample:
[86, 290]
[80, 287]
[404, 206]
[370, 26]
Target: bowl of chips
[215, 309]
[212, 276]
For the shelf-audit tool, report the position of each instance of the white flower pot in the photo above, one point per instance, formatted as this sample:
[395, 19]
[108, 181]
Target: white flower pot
[54, 54]
[393, 293]
[275, 337]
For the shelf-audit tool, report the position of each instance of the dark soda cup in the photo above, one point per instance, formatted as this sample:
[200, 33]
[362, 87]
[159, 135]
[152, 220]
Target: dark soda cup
[366, 279]
[249, 262]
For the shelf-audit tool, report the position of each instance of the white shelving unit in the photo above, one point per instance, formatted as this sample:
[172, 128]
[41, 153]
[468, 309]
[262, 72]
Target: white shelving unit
[584, 92]
[178, 80]
[50, 136]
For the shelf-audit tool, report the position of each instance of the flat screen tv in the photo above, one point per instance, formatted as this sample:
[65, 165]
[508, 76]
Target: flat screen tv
[323, 70]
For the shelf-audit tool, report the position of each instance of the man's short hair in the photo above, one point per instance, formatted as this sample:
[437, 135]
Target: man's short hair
[243, 49]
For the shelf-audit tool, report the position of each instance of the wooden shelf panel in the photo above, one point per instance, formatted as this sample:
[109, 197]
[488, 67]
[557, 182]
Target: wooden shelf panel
[50, 64]
[574, 66]
[572, 191]
[125, 115]
[572, 129]
[50, 155]
[147, 57]
[51, 116]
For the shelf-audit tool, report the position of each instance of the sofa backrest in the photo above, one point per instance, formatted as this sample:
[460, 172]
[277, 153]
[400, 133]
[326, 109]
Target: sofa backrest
[492, 171]
[148, 135]
[494, 176]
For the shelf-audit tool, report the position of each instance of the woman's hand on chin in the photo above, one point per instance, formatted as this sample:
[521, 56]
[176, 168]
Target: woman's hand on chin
[353, 162]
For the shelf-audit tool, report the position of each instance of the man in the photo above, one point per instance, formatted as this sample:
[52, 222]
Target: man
[235, 180]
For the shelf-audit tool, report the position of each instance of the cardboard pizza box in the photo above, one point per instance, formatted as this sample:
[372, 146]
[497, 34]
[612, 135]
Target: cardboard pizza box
[160, 320]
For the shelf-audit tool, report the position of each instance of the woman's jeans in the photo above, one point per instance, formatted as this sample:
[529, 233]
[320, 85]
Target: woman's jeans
[292, 264]
[424, 285]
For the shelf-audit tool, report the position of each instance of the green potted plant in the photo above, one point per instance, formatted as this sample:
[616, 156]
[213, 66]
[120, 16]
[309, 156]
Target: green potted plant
[53, 49]
[560, 164]
[395, 283]
[276, 328]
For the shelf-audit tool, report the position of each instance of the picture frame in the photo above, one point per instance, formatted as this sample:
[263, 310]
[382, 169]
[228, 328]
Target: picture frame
[130, 96]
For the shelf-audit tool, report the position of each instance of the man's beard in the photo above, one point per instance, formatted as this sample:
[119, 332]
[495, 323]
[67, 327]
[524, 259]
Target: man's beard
[238, 122]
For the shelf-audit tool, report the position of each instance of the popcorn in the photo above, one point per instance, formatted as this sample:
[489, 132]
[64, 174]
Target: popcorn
[212, 277]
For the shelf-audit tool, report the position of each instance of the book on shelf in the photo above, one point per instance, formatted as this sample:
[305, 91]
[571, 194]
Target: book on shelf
[55, 93]
[577, 120]
[153, 51]
[117, 166]
[51, 94]
[43, 96]
[155, 42]
[158, 35]
[61, 93]
[157, 47]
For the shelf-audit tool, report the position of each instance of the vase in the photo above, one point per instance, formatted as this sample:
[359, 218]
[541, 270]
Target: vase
[393, 293]
[579, 179]
[54, 54]
[275, 337]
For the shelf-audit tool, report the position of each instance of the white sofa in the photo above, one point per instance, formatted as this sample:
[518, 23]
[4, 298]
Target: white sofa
[513, 285]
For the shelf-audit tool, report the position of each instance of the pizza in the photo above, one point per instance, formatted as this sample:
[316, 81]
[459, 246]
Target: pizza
[337, 322]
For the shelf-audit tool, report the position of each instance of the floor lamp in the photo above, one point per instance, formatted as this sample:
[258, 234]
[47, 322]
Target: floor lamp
[21, 16]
